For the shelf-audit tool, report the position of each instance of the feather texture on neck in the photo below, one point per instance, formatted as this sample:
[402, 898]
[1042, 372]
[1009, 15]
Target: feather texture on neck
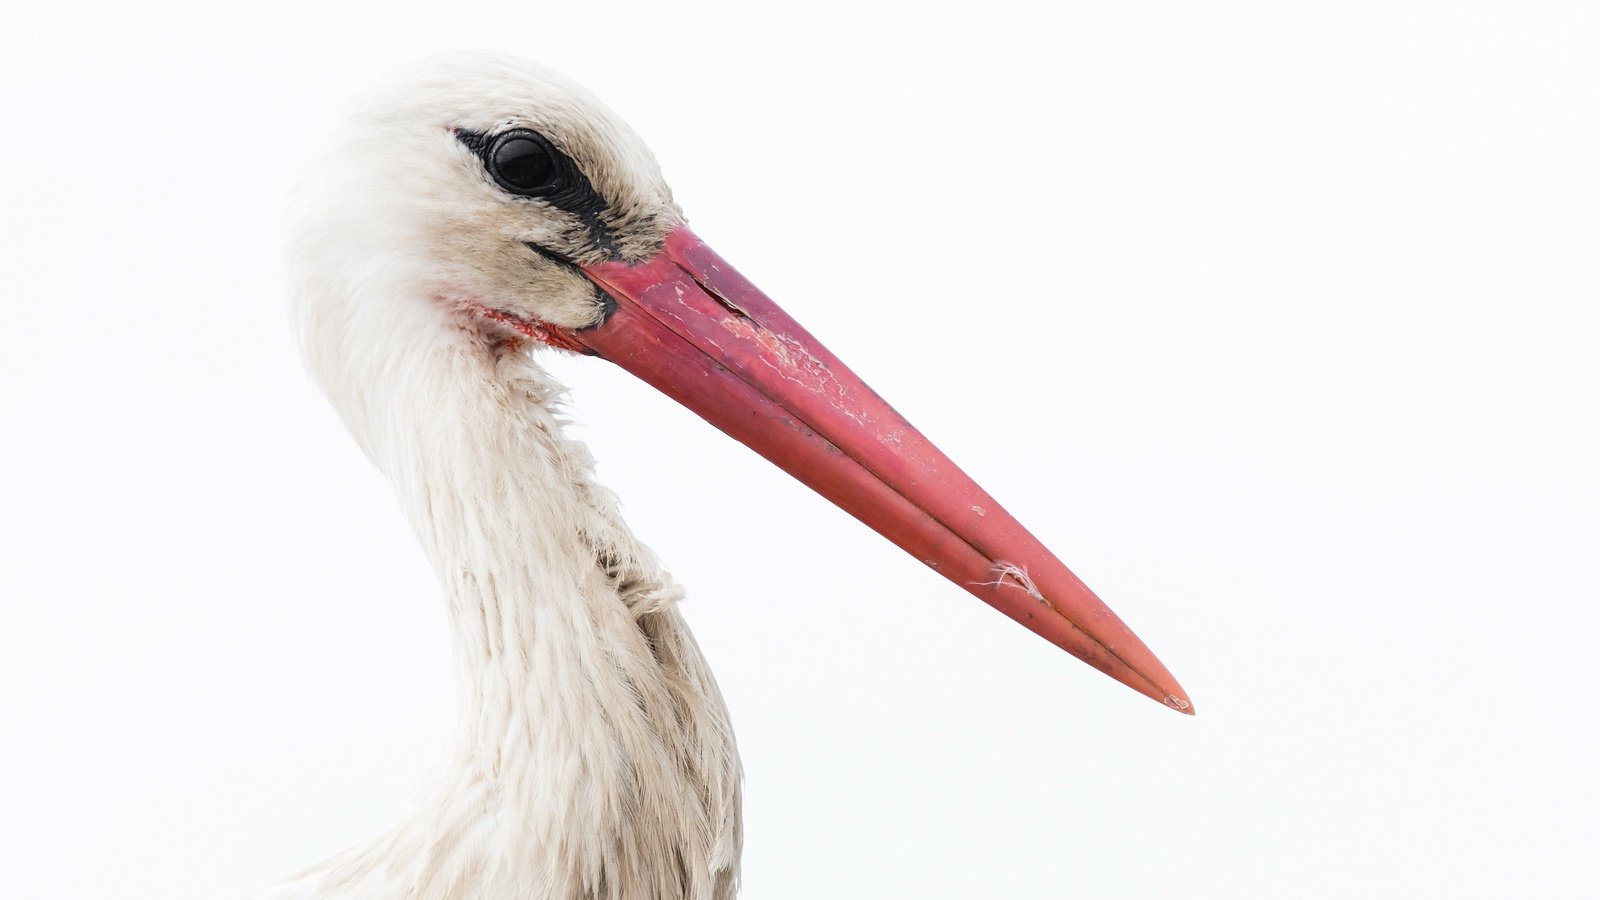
[593, 757]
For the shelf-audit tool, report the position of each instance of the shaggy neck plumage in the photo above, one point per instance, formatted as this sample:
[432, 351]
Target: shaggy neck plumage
[593, 756]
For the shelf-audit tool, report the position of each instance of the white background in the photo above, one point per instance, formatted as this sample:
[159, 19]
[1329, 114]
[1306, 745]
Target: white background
[1278, 324]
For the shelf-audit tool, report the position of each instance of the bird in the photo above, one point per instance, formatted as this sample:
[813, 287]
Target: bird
[461, 220]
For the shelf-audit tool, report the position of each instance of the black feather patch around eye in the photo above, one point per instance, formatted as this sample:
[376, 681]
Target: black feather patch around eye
[525, 163]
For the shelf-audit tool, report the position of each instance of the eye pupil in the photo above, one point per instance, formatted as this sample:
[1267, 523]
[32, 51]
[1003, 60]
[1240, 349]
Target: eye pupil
[523, 164]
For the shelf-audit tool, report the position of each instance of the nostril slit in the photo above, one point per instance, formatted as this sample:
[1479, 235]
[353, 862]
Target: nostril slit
[722, 299]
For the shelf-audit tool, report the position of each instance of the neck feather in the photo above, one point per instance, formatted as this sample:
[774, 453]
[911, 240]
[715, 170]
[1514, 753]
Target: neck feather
[593, 756]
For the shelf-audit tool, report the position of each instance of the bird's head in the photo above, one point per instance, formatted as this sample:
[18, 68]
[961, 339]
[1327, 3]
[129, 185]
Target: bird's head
[490, 195]
[490, 181]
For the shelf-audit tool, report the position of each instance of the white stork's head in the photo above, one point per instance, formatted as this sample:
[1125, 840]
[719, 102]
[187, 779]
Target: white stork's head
[486, 196]
[488, 179]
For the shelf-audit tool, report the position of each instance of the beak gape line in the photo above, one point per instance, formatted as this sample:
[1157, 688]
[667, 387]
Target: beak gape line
[686, 322]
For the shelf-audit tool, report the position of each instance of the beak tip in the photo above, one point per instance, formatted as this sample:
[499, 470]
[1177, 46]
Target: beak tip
[1179, 702]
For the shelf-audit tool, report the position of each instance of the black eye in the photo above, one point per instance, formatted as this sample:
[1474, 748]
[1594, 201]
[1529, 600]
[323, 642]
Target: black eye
[523, 163]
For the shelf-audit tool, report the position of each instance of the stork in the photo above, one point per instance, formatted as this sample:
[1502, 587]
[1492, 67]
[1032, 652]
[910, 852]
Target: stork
[464, 216]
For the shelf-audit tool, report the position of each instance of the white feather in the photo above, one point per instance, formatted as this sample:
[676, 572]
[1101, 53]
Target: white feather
[593, 755]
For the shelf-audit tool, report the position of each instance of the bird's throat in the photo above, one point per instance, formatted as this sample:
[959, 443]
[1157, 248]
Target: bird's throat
[592, 744]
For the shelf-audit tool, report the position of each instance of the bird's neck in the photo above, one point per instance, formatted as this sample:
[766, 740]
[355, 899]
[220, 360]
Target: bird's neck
[593, 750]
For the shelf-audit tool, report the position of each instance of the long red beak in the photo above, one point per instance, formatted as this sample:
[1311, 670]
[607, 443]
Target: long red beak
[689, 324]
